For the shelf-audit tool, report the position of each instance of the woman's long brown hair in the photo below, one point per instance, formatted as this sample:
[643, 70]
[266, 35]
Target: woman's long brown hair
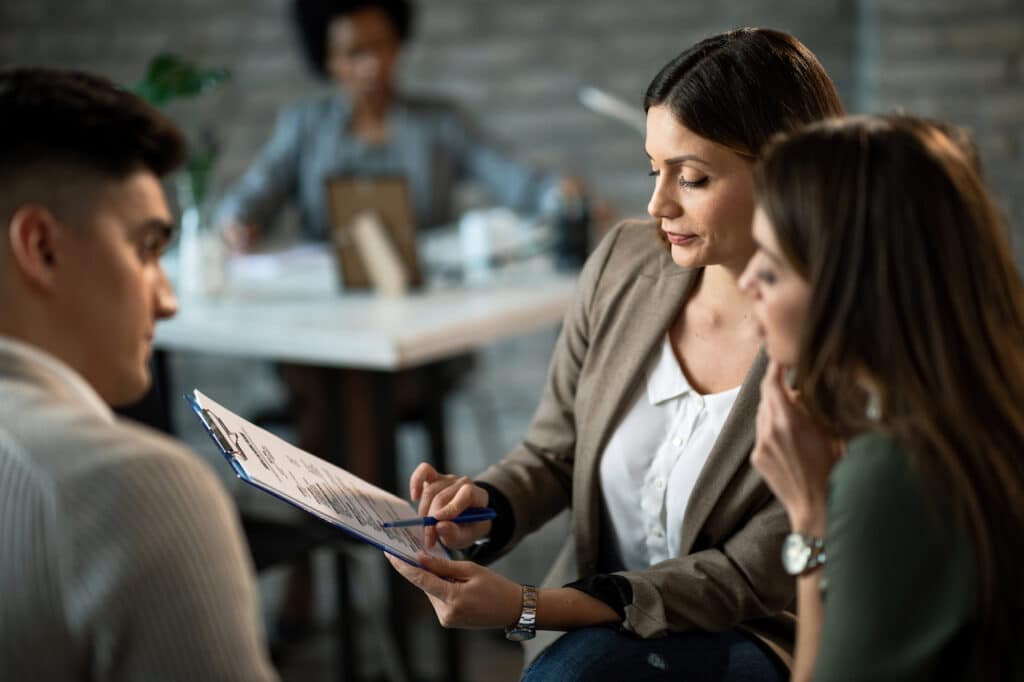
[914, 288]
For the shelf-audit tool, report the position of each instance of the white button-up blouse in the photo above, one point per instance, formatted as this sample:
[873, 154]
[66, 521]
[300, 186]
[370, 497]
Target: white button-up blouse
[652, 460]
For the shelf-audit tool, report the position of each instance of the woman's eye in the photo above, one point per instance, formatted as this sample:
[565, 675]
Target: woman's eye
[766, 276]
[693, 183]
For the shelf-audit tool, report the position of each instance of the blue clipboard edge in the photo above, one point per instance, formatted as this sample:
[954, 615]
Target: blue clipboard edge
[240, 472]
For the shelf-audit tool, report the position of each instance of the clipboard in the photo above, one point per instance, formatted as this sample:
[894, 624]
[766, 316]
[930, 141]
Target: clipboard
[311, 484]
[387, 197]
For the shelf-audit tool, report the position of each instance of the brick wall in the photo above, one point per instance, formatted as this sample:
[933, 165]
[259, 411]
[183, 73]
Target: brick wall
[963, 62]
[520, 64]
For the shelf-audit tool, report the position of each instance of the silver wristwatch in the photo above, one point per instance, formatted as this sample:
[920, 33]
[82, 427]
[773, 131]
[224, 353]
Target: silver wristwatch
[802, 553]
[526, 627]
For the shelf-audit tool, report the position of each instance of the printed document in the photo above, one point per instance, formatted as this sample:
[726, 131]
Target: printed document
[323, 489]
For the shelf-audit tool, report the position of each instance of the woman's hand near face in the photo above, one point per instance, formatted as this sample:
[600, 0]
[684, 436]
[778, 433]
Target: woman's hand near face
[445, 496]
[471, 597]
[793, 454]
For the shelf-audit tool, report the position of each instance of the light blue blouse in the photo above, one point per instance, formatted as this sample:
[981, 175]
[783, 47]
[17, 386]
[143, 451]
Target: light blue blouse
[432, 144]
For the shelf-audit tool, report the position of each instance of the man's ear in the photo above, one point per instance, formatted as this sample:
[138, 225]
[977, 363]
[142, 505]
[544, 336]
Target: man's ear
[33, 235]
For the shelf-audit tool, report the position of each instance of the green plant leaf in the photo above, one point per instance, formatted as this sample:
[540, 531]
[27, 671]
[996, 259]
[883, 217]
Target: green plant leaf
[169, 77]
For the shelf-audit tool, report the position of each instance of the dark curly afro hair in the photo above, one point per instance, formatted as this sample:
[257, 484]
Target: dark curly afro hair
[312, 17]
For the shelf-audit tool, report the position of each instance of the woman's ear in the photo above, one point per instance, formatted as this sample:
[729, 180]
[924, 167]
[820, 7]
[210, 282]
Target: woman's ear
[33, 234]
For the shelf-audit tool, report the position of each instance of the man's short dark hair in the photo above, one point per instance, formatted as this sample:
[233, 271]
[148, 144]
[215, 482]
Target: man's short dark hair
[52, 118]
[312, 17]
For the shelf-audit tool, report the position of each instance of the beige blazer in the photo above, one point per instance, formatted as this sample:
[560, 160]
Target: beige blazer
[729, 573]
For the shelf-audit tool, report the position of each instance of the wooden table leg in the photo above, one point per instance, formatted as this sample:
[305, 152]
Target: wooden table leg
[437, 433]
[348, 650]
[386, 427]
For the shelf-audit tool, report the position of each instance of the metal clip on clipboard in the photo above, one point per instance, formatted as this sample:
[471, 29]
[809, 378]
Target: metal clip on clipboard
[216, 430]
[220, 437]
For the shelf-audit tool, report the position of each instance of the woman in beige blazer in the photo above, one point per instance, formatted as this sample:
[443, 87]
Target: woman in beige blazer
[716, 606]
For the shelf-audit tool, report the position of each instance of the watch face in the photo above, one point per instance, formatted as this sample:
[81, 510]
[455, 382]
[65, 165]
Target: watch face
[795, 554]
[519, 634]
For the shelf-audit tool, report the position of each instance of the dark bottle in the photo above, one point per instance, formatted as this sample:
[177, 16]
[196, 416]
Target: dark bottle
[572, 232]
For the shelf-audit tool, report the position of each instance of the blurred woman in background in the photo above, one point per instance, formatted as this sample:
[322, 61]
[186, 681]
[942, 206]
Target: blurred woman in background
[368, 127]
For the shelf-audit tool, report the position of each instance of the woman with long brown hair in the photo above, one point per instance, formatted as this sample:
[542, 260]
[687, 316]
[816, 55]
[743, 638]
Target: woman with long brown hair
[891, 425]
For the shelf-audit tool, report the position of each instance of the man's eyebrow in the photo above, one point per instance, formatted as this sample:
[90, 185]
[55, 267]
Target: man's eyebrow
[165, 228]
[156, 224]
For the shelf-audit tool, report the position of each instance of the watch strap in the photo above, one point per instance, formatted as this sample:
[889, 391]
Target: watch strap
[526, 626]
[818, 556]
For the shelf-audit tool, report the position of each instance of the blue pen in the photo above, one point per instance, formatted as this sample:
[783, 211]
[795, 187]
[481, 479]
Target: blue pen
[471, 515]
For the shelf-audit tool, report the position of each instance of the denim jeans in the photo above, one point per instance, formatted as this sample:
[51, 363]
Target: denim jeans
[599, 654]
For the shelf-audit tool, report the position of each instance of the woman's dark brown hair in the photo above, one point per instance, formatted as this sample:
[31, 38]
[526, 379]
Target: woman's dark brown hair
[740, 88]
[914, 289]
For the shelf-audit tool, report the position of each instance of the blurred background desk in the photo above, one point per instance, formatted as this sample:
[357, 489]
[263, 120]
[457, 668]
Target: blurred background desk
[286, 308]
[296, 315]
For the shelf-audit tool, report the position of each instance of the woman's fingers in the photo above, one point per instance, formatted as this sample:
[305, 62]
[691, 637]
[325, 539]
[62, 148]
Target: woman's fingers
[423, 579]
[462, 497]
[443, 503]
[430, 536]
[438, 499]
[769, 380]
[466, 594]
[428, 491]
[457, 498]
[451, 535]
[432, 490]
[423, 474]
[461, 535]
[771, 422]
[447, 568]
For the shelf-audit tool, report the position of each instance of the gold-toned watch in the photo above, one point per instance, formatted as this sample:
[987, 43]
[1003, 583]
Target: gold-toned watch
[526, 627]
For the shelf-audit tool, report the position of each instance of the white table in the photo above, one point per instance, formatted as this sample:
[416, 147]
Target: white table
[364, 331]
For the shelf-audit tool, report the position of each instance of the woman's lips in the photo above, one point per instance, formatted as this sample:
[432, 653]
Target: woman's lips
[679, 239]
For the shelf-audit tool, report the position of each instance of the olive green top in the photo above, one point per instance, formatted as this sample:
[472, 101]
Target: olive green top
[901, 578]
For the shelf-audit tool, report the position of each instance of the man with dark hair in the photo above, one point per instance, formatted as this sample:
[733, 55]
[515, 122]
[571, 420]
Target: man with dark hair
[122, 555]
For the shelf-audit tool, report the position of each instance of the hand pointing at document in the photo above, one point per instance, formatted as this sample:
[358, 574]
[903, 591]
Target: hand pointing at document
[445, 496]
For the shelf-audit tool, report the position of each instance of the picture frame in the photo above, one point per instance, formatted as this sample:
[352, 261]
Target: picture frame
[387, 197]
